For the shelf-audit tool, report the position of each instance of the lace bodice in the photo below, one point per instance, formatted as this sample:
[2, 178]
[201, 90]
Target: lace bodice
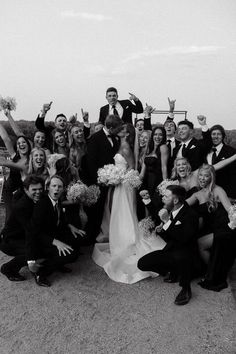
[120, 161]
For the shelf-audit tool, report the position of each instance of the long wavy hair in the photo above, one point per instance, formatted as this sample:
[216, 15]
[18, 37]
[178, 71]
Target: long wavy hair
[131, 137]
[17, 155]
[43, 172]
[77, 150]
[174, 174]
[211, 202]
[151, 143]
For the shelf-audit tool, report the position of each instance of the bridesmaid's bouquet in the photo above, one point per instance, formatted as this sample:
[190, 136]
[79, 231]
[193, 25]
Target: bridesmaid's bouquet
[78, 192]
[131, 179]
[161, 188]
[8, 103]
[232, 217]
[110, 175]
[146, 227]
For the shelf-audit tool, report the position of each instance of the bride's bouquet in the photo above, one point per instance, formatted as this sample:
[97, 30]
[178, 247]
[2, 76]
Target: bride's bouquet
[232, 217]
[131, 179]
[79, 192]
[110, 175]
[8, 103]
[146, 227]
[161, 188]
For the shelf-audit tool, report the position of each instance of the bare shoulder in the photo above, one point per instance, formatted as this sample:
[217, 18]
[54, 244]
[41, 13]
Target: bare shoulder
[164, 148]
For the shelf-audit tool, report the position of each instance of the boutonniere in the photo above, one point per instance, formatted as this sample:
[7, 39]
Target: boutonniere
[126, 107]
[222, 158]
[178, 222]
[192, 147]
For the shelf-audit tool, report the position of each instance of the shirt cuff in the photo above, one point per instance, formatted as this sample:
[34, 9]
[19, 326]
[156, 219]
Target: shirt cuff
[171, 115]
[87, 124]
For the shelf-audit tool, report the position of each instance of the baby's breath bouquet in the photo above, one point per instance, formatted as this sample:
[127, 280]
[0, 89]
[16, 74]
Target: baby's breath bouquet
[161, 188]
[8, 103]
[131, 178]
[110, 175]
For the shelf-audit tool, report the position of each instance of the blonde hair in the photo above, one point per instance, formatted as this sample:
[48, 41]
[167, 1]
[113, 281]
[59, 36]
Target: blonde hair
[211, 202]
[31, 170]
[174, 174]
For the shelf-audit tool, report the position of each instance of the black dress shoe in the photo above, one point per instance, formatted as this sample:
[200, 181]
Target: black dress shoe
[171, 278]
[64, 269]
[11, 276]
[206, 284]
[183, 297]
[41, 281]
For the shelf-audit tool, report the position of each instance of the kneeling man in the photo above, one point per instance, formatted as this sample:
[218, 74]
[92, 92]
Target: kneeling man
[180, 234]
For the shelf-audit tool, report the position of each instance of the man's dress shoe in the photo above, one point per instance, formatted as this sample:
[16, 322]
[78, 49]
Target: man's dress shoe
[206, 284]
[41, 281]
[183, 297]
[171, 278]
[11, 276]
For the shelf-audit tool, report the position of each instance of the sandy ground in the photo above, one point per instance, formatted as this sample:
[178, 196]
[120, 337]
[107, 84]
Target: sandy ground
[86, 312]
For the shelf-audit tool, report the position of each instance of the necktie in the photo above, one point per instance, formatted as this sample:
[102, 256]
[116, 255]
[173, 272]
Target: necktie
[57, 213]
[214, 156]
[184, 150]
[171, 217]
[115, 110]
[168, 142]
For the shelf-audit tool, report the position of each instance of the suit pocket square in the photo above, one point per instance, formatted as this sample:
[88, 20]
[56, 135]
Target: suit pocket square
[178, 222]
[193, 147]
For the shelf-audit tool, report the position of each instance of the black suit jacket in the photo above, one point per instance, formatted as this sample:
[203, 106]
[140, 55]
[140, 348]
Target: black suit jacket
[170, 164]
[99, 153]
[43, 227]
[128, 108]
[226, 177]
[181, 235]
[196, 150]
[15, 228]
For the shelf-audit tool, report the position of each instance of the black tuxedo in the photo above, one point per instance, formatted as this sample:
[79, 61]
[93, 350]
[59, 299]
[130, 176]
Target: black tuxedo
[180, 253]
[170, 164]
[226, 177]
[128, 109]
[45, 226]
[13, 234]
[196, 150]
[99, 153]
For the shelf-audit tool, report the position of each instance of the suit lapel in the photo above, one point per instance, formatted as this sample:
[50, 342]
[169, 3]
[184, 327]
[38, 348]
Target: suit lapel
[177, 217]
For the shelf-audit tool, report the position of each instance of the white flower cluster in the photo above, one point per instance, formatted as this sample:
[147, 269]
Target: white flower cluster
[110, 175]
[8, 103]
[79, 192]
[146, 227]
[131, 178]
[232, 216]
[161, 188]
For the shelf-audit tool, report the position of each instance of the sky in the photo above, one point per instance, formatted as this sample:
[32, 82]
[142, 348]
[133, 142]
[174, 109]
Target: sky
[71, 51]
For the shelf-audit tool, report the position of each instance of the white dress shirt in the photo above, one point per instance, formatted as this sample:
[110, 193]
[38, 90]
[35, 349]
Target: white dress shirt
[209, 156]
[118, 107]
[179, 154]
[174, 213]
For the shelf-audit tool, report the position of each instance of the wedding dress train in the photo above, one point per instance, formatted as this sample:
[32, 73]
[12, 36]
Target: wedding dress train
[126, 244]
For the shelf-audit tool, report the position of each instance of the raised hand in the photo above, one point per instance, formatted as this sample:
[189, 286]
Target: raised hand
[158, 228]
[148, 110]
[132, 97]
[73, 118]
[163, 215]
[46, 107]
[201, 120]
[171, 105]
[144, 194]
[85, 115]
[62, 247]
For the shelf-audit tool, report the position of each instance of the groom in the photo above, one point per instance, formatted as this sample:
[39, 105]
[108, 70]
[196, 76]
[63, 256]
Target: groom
[180, 234]
[102, 146]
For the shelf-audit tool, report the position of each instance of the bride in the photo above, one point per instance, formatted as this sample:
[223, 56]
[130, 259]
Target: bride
[126, 244]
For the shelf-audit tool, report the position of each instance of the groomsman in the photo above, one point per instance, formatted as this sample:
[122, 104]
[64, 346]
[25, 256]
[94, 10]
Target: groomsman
[219, 151]
[102, 146]
[180, 233]
[122, 109]
[193, 149]
[13, 237]
[49, 237]
[171, 142]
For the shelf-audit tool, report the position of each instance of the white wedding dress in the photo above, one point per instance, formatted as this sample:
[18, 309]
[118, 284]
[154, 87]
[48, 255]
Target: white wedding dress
[126, 244]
